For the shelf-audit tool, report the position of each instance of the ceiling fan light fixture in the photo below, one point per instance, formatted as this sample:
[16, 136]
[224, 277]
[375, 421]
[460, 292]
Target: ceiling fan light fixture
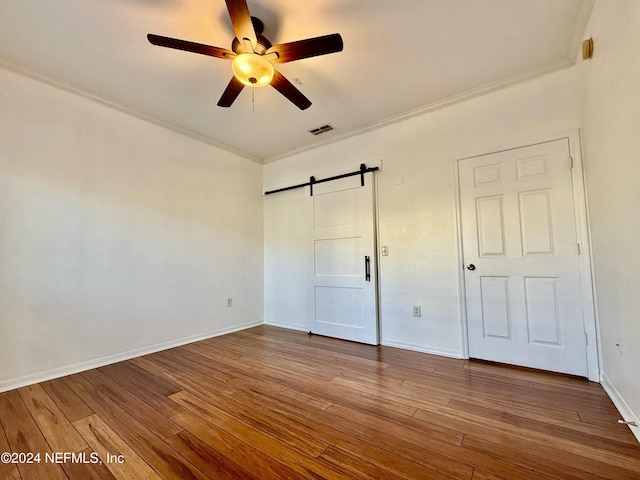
[252, 69]
[252, 54]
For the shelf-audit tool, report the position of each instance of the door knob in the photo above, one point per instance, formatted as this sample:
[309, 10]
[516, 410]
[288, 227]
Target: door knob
[471, 266]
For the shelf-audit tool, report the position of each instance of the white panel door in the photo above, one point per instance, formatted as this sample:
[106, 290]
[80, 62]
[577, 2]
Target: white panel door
[343, 288]
[522, 277]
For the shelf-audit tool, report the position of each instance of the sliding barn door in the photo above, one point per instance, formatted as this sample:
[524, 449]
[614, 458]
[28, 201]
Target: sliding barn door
[343, 291]
[522, 275]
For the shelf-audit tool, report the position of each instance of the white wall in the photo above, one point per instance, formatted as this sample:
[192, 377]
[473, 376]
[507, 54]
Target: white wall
[117, 236]
[612, 164]
[416, 204]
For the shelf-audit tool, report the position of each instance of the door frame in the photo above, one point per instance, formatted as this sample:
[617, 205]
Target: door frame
[587, 283]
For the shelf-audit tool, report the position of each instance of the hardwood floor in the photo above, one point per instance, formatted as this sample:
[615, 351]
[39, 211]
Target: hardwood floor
[270, 403]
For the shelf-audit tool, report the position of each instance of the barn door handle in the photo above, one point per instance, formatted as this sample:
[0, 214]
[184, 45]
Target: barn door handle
[367, 268]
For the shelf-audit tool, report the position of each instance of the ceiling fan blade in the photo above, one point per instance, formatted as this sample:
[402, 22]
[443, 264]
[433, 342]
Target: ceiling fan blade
[311, 47]
[241, 21]
[286, 88]
[190, 46]
[231, 92]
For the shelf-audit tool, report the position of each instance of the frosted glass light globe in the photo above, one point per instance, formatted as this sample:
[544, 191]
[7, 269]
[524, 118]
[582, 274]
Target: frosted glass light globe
[252, 69]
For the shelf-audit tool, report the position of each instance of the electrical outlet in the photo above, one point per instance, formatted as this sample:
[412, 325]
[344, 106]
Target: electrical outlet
[229, 302]
[417, 311]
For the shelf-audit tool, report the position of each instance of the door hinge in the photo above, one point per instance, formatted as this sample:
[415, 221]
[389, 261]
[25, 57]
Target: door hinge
[586, 339]
[570, 162]
[578, 248]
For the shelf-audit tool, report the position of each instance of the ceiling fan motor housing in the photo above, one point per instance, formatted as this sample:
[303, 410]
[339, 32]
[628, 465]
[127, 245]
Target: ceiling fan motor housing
[261, 48]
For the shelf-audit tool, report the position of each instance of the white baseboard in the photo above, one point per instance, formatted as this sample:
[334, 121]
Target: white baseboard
[387, 343]
[625, 411]
[422, 348]
[290, 326]
[14, 383]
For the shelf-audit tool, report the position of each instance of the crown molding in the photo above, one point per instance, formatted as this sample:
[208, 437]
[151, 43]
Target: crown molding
[440, 104]
[120, 108]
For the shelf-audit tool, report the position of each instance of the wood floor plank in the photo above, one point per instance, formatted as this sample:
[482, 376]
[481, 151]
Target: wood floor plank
[555, 418]
[272, 344]
[285, 353]
[400, 395]
[605, 420]
[451, 450]
[104, 441]
[8, 471]
[86, 470]
[324, 425]
[297, 374]
[148, 446]
[191, 381]
[183, 370]
[301, 368]
[290, 394]
[356, 466]
[153, 389]
[285, 393]
[66, 400]
[24, 436]
[420, 448]
[157, 385]
[553, 388]
[232, 413]
[252, 459]
[286, 396]
[491, 388]
[387, 452]
[210, 365]
[270, 403]
[410, 427]
[457, 382]
[294, 459]
[322, 346]
[334, 392]
[566, 432]
[208, 459]
[57, 430]
[135, 406]
[490, 429]
[480, 475]
[557, 466]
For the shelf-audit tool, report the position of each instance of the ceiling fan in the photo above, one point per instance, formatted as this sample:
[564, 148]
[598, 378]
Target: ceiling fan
[253, 55]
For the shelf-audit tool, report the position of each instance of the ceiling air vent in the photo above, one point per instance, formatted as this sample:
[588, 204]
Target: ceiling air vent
[322, 129]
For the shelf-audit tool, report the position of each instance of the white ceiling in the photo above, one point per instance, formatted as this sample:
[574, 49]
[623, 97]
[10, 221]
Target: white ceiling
[399, 58]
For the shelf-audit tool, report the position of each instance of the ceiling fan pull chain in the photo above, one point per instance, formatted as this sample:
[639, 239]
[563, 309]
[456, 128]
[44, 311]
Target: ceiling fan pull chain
[253, 100]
